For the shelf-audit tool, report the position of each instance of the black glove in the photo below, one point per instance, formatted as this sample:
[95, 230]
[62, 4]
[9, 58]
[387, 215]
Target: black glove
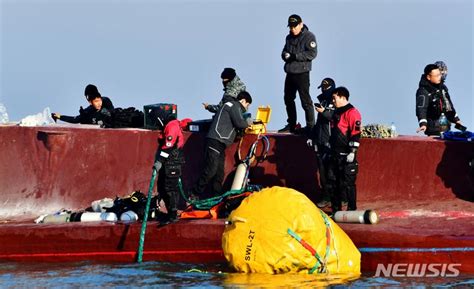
[81, 110]
[289, 57]
[55, 117]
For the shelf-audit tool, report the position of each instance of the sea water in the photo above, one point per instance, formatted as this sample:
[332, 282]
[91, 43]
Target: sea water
[163, 275]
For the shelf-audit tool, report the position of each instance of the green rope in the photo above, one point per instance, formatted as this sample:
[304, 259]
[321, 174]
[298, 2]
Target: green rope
[206, 204]
[319, 261]
[328, 247]
[145, 217]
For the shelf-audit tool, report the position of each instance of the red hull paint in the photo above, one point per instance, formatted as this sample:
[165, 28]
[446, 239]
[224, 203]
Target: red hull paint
[420, 186]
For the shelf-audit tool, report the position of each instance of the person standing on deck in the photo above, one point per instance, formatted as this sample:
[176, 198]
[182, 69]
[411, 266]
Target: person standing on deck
[433, 101]
[319, 137]
[346, 125]
[227, 120]
[299, 50]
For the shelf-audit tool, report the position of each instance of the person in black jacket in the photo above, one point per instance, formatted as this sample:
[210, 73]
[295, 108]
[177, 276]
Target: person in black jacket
[99, 111]
[319, 137]
[227, 120]
[433, 100]
[299, 50]
[91, 92]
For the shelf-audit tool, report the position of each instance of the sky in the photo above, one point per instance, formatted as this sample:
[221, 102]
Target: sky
[144, 52]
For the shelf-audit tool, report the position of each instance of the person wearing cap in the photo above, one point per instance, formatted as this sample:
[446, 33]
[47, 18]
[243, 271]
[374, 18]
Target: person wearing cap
[232, 87]
[432, 101]
[319, 137]
[342, 167]
[299, 50]
[99, 111]
[91, 91]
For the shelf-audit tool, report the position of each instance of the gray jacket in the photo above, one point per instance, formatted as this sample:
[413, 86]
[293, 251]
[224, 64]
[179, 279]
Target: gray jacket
[226, 121]
[233, 88]
[304, 47]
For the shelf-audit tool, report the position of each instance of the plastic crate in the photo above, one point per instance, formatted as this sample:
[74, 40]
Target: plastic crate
[150, 111]
[200, 125]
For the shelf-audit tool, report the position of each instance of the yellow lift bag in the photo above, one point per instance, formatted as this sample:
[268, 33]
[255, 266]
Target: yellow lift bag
[279, 230]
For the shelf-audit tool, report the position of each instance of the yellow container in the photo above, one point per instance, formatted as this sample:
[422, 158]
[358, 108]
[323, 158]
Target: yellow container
[261, 120]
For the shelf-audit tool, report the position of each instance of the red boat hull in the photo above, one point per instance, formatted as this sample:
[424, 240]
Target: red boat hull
[421, 188]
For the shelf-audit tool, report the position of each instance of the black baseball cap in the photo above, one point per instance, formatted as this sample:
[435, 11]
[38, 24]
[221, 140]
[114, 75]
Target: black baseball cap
[327, 83]
[294, 20]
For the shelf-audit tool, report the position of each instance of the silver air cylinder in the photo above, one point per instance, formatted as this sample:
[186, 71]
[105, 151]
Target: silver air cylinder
[363, 217]
[239, 177]
[96, 216]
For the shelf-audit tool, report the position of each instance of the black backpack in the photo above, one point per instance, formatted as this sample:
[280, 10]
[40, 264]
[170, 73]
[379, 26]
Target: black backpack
[128, 117]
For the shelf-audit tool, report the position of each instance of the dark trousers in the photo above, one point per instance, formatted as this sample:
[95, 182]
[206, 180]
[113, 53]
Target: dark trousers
[168, 181]
[323, 158]
[213, 172]
[341, 182]
[168, 188]
[298, 83]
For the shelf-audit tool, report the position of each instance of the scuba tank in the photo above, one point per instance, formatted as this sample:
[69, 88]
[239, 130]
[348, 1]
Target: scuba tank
[239, 177]
[444, 124]
[363, 217]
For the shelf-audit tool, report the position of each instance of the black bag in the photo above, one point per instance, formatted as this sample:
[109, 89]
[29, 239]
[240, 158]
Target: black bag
[128, 117]
[135, 202]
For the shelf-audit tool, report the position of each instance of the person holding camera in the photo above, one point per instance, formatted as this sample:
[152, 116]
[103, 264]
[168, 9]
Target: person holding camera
[319, 137]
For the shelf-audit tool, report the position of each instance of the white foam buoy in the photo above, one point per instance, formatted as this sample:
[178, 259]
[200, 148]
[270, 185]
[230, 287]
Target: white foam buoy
[363, 217]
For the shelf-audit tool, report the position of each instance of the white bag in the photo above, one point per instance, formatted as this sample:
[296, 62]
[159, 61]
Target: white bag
[39, 119]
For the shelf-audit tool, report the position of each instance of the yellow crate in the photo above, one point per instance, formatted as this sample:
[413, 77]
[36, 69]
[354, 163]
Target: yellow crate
[263, 116]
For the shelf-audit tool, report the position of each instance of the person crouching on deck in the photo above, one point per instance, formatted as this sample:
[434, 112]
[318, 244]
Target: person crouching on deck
[169, 160]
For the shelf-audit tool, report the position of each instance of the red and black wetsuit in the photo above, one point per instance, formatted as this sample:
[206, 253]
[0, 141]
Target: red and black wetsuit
[170, 154]
[344, 140]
